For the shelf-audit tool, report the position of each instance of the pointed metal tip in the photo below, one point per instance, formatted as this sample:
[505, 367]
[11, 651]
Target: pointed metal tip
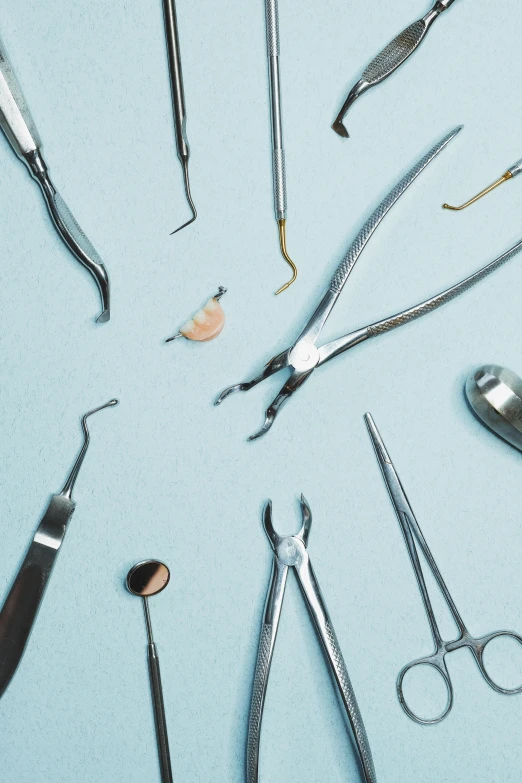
[174, 337]
[226, 392]
[192, 219]
[269, 420]
[184, 164]
[377, 441]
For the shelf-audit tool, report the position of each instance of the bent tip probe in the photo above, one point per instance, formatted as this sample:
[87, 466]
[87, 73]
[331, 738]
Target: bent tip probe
[513, 171]
[282, 242]
[184, 163]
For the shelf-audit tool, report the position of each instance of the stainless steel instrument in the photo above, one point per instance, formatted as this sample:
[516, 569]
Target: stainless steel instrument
[178, 99]
[389, 60]
[292, 552]
[20, 130]
[144, 579]
[21, 606]
[495, 395]
[513, 171]
[278, 152]
[437, 660]
[303, 357]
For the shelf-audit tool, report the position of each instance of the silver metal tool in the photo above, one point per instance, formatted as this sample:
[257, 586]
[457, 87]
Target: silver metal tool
[144, 579]
[513, 171]
[178, 99]
[21, 606]
[437, 660]
[292, 552]
[278, 152]
[389, 60]
[20, 130]
[495, 395]
[303, 357]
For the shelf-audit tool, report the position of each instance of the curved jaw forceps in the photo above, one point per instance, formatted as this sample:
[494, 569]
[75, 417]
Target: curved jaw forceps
[292, 552]
[305, 356]
[437, 660]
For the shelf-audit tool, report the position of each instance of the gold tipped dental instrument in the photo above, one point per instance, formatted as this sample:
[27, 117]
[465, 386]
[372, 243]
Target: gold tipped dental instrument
[278, 153]
[510, 173]
[178, 99]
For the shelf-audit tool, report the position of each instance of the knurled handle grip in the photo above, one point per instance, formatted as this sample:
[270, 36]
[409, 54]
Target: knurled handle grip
[272, 28]
[354, 251]
[387, 324]
[393, 55]
[350, 702]
[279, 184]
[159, 715]
[262, 670]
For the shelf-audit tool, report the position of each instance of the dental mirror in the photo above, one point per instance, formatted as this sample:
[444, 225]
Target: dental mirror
[145, 579]
[495, 395]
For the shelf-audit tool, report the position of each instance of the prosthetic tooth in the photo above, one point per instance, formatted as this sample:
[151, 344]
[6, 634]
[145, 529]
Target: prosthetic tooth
[187, 327]
[200, 318]
[207, 323]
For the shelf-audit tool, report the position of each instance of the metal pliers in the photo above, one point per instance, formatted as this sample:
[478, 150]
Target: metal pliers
[304, 356]
[292, 552]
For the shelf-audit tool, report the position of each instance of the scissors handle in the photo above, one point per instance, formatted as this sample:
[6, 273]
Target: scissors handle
[437, 662]
[478, 645]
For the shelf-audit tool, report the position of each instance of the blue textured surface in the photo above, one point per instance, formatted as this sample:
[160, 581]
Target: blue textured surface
[170, 476]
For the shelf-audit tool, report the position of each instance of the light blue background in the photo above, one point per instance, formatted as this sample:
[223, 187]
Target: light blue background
[170, 476]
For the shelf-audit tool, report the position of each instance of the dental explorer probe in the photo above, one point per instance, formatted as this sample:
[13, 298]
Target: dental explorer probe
[20, 130]
[278, 153]
[391, 57]
[18, 614]
[178, 99]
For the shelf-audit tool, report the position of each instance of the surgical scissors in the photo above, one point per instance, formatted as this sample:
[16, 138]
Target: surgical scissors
[437, 660]
[292, 552]
[303, 357]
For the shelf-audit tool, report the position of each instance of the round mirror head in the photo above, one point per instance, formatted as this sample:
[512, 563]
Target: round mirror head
[148, 578]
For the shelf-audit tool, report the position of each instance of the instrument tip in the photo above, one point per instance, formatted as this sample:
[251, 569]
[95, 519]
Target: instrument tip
[282, 242]
[339, 128]
[104, 316]
[184, 163]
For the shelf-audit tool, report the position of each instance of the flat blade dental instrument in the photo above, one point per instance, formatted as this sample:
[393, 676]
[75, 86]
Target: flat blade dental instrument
[391, 57]
[20, 130]
[495, 396]
[145, 579]
[292, 552]
[278, 152]
[513, 171]
[303, 357]
[178, 99]
[20, 609]
[413, 536]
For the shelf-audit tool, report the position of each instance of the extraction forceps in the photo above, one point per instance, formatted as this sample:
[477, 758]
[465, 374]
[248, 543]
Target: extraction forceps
[303, 357]
[278, 153]
[20, 130]
[437, 660]
[178, 99]
[391, 57]
[292, 552]
[18, 614]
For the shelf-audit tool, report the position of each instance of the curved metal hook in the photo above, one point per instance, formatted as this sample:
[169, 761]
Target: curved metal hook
[184, 163]
[69, 484]
[282, 241]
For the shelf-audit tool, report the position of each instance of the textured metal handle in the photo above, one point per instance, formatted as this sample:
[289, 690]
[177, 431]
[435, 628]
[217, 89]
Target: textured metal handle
[516, 168]
[354, 251]
[264, 657]
[272, 28]
[446, 296]
[350, 702]
[395, 53]
[279, 183]
[159, 715]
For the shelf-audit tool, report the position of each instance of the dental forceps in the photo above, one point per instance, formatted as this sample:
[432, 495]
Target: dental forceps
[303, 357]
[292, 552]
[178, 99]
[18, 614]
[20, 130]
[437, 660]
[391, 57]
[278, 153]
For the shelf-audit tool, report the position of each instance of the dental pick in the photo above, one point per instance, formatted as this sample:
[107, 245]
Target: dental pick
[178, 100]
[513, 171]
